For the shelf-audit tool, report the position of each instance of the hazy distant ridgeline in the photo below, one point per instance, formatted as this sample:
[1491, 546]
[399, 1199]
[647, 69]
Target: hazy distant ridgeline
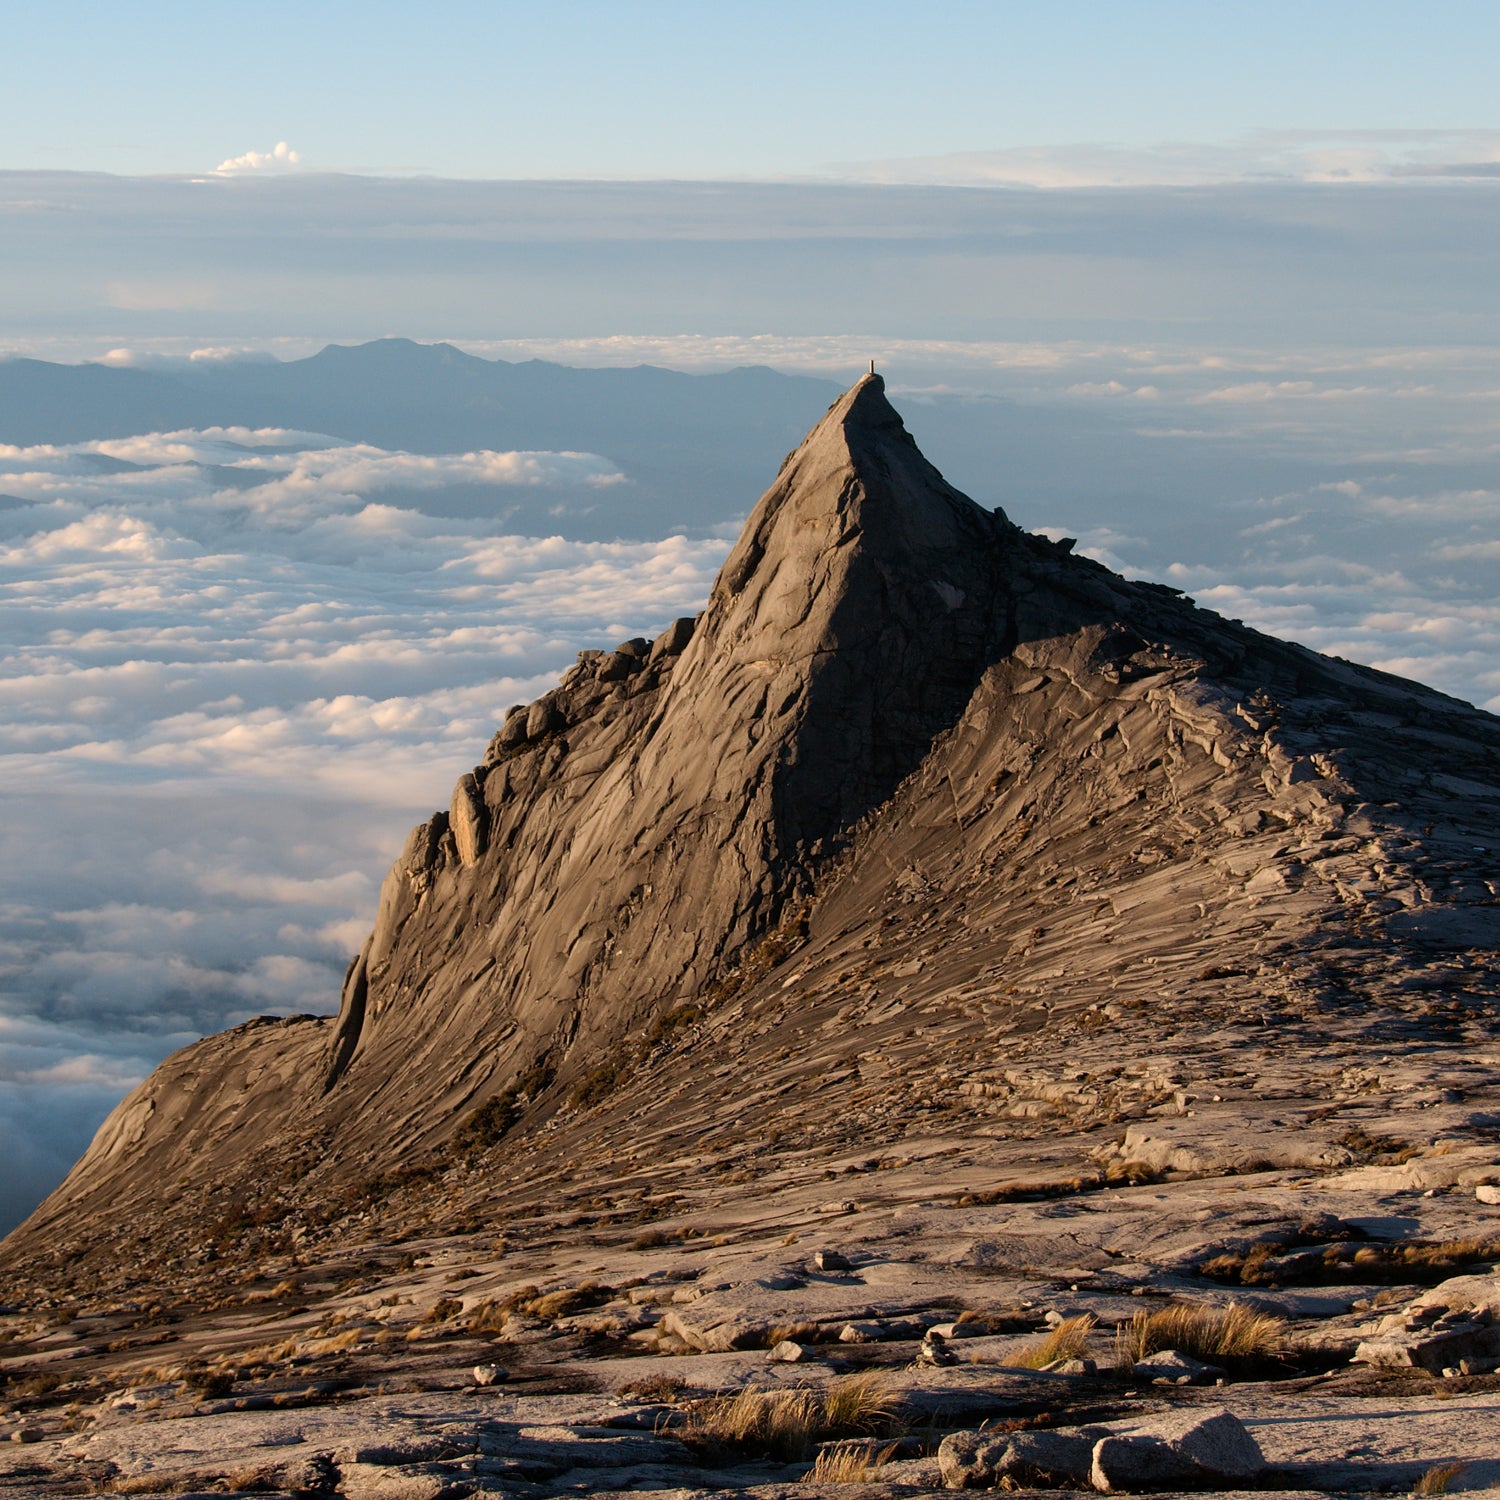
[686, 442]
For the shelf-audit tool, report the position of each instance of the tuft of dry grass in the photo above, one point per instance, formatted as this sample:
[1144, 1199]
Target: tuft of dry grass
[663, 1388]
[849, 1463]
[487, 1317]
[1437, 1479]
[1411, 1260]
[858, 1404]
[781, 1423]
[1229, 1336]
[801, 1333]
[1068, 1340]
[786, 1424]
[566, 1300]
[443, 1309]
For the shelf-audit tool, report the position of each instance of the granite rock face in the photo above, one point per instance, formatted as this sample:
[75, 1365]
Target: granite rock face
[910, 764]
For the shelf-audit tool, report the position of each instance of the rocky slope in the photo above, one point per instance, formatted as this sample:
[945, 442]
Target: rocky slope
[981, 784]
[1030, 928]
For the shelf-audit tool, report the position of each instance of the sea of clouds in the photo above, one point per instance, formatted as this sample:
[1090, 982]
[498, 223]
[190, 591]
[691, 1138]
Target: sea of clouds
[234, 673]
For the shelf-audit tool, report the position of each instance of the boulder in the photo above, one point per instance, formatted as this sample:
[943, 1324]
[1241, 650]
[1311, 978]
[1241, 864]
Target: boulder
[831, 1260]
[1138, 1461]
[935, 1351]
[1047, 1458]
[617, 666]
[971, 1460]
[1175, 1448]
[490, 1374]
[469, 819]
[1216, 1440]
[513, 731]
[717, 1336]
[1177, 1368]
[790, 1352]
[673, 640]
[542, 718]
[1436, 1348]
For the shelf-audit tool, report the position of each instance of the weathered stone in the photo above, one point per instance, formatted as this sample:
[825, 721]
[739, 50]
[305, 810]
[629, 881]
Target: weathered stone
[790, 1352]
[1177, 1368]
[371, 1482]
[673, 640]
[863, 1332]
[832, 1260]
[513, 731]
[1138, 1461]
[617, 666]
[971, 1460]
[1431, 1348]
[1177, 1448]
[718, 1335]
[469, 819]
[935, 1350]
[490, 1374]
[1488, 1192]
[542, 718]
[1215, 1440]
[1047, 1458]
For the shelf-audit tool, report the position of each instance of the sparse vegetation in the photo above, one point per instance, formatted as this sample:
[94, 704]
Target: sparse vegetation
[1379, 1150]
[1130, 1173]
[664, 1030]
[1235, 1337]
[1437, 1479]
[443, 1309]
[802, 1333]
[788, 1424]
[649, 1239]
[1068, 1340]
[1263, 1264]
[850, 1463]
[211, 1385]
[595, 1086]
[663, 1388]
[493, 1120]
[569, 1299]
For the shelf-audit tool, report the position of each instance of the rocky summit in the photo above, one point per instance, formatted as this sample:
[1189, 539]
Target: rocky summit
[947, 1016]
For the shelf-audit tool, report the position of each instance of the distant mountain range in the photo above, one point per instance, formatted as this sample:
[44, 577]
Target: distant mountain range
[686, 441]
[695, 447]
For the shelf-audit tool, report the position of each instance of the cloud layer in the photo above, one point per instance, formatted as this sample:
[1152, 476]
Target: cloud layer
[239, 665]
[280, 157]
[1268, 156]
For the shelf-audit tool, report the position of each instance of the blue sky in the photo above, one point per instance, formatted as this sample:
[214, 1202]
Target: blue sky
[578, 87]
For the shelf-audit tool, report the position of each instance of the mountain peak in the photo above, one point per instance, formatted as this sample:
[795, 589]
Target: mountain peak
[895, 702]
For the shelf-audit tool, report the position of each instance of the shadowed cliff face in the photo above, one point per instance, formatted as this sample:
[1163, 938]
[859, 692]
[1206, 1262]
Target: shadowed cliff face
[657, 814]
[896, 708]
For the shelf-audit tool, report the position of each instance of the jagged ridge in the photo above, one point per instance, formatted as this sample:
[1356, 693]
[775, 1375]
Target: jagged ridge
[896, 709]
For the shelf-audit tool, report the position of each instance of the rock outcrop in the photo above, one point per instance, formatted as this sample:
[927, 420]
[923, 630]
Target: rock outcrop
[914, 782]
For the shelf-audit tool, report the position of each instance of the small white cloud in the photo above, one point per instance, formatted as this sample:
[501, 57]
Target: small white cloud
[279, 158]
